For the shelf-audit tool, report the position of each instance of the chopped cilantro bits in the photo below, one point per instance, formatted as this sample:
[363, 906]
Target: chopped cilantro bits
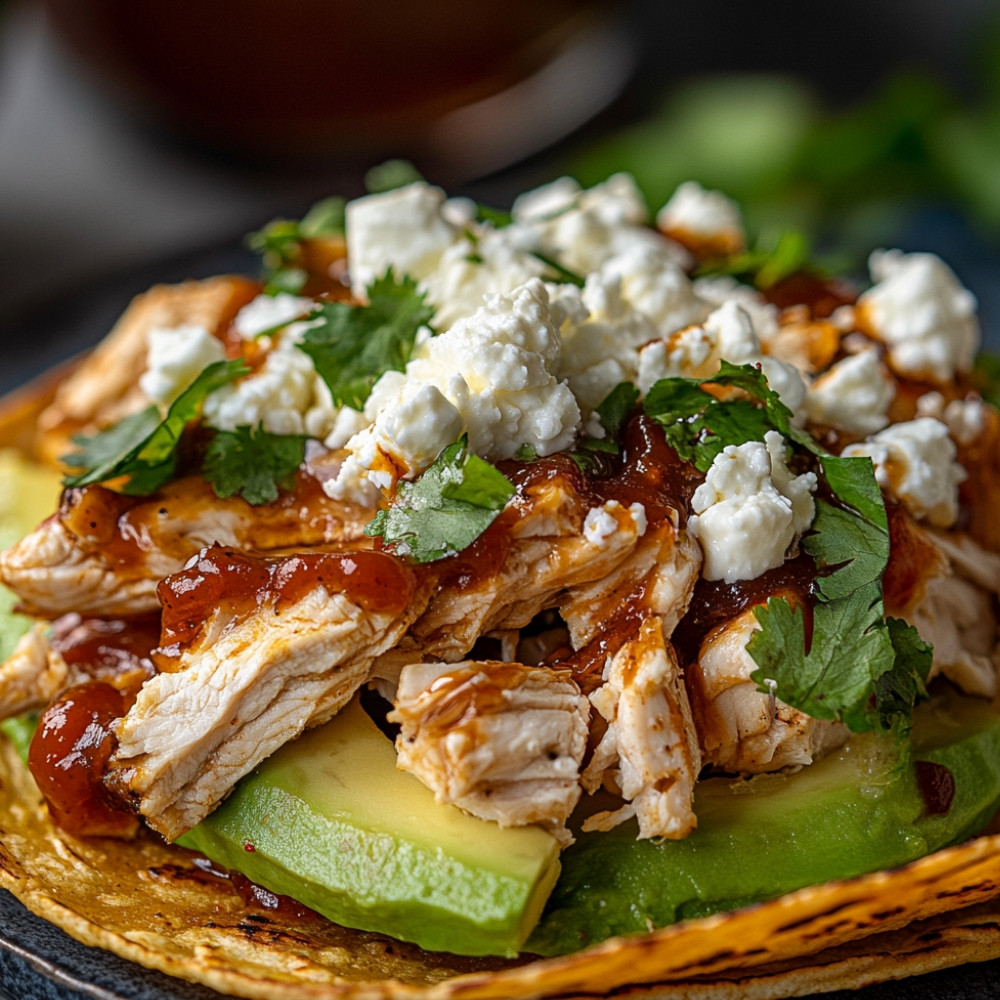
[446, 509]
[352, 346]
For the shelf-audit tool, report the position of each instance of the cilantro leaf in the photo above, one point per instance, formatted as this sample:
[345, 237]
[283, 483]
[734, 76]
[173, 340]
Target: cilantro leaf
[391, 175]
[832, 676]
[253, 463]
[145, 451]
[280, 243]
[775, 256]
[352, 346]
[857, 546]
[851, 665]
[617, 407]
[446, 509]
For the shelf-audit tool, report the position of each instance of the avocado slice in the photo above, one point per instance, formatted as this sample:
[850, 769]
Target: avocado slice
[329, 820]
[875, 804]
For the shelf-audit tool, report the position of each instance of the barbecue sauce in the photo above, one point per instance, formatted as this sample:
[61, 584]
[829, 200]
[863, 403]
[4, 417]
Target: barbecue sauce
[68, 757]
[236, 585]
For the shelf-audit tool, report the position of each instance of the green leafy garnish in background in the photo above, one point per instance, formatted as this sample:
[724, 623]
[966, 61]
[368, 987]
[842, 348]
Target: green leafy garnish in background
[391, 175]
[850, 664]
[144, 446]
[353, 346]
[280, 243]
[252, 463]
[446, 509]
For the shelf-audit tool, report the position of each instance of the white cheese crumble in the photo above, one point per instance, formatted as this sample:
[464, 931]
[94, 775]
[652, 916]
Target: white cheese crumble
[278, 396]
[270, 312]
[175, 358]
[698, 351]
[853, 395]
[750, 510]
[496, 369]
[601, 335]
[923, 314]
[404, 229]
[601, 523]
[708, 215]
[964, 418]
[583, 229]
[915, 461]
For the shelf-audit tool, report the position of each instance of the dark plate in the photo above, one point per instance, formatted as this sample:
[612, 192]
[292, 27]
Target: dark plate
[40, 962]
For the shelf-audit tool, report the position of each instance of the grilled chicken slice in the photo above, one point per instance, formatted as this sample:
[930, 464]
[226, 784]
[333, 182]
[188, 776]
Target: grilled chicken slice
[548, 541]
[500, 740]
[945, 585]
[649, 752]
[103, 553]
[255, 651]
[104, 387]
[33, 674]
[741, 729]
[657, 578]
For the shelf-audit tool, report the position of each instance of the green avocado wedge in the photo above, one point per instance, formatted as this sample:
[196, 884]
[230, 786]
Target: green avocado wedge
[329, 820]
[872, 805]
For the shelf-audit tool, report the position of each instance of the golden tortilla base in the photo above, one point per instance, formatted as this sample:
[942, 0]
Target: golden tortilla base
[148, 902]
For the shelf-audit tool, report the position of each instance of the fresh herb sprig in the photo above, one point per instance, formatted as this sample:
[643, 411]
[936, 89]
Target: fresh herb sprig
[143, 446]
[852, 664]
[280, 243]
[446, 509]
[352, 346]
[253, 463]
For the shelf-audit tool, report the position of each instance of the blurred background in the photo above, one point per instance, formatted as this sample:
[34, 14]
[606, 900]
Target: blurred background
[140, 141]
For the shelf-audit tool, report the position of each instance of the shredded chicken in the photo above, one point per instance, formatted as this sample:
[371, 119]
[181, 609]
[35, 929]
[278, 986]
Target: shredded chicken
[741, 729]
[659, 575]
[243, 687]
[649, 751]
[547, 554]
[105, 554]
[950, 598]
[500, 740]
[33, 674]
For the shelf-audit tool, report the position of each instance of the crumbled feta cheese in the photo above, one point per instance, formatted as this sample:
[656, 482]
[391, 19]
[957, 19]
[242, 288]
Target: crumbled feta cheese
[964, 418]
[278, 396]
[404, 229]
[495, 369]
[175, 358]
[599, 525]
[709, 216]
[584, 228]
[653, 282]
[722, 288]
[915, 461]
[602, 522]
[853, 395]
[471, 269]
[601, 335]
[923, 314]
[409, 432]
[750, 510]
[270, 312]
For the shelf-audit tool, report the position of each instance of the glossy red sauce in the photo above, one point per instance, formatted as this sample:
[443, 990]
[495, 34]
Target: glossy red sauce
[822, 296]
[253, 896]
[116, 651]
[937, 787]
[221, 578]
[68, 756]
